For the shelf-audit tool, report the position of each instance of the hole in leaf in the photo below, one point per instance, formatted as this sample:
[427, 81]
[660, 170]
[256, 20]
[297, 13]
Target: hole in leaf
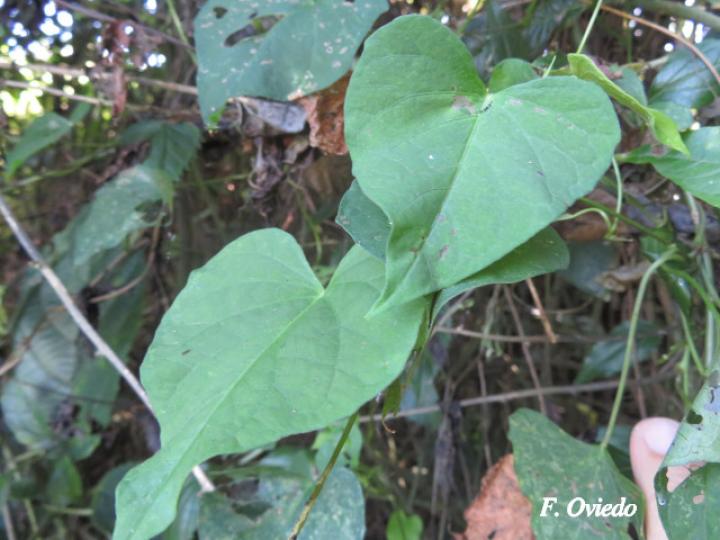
[694, 418]
[257, 27]
[219, 12]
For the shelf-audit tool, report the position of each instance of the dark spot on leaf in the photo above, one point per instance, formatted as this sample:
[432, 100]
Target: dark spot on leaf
[258, 26]
[694, 418]
[540, 173]
[186, 351]
[219, 12]
[658, 150]
[239, 35]
[714, 405]
[443, 251]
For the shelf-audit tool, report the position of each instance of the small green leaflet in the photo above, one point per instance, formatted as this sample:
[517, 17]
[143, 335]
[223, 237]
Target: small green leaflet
[550, 463]
[364, 221]
[310, 47]
[172, 148]
[129, 202]
[662, 126]
[510, 72]
[606, 357]
[494, 170]
[404, 527]
[685, 79]
[693, 505]
[369, 227]
[254, 349]
[698, 173]
[41, 133]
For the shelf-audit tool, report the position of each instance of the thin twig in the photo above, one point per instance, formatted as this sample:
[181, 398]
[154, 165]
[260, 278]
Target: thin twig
[525, 347]
[681, 39]
[515, 395]
[7, 521]
[547, 326]
[101, 346]
[76, 73]
[501, 338]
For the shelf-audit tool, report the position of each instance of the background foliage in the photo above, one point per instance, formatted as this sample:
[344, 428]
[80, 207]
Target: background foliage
[135, 149]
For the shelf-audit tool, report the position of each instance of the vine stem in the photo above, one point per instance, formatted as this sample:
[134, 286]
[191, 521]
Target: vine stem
[101, 346]
[179, 28]
[305, 514]
[590, 25]
[630, 347]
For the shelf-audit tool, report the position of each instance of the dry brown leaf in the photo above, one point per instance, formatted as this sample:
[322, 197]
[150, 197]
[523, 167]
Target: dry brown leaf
[500, 511]
[591, 226]
[325, 117]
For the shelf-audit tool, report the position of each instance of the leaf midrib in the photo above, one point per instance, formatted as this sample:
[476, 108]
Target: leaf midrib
[419, 253]
[198, 434]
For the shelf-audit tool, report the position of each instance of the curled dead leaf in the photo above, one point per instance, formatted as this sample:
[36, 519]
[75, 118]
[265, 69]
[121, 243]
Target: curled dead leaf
[326, 119]
[500, 511]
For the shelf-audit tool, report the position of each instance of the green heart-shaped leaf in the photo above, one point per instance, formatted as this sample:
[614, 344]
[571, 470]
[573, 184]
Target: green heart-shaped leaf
[698, 173]
[464, 175]
[254, 349]
[310, 47]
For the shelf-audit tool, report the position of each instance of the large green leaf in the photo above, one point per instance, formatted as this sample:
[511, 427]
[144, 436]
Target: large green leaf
[662, 126]
[40, 384]
[254, 349]
[308, 49]
[693, 505]
[172, 145]
[464, 176]
[685, 79]
[369, 227]
[698, 173]
[550, 463]
[44, 131]
[129, 202]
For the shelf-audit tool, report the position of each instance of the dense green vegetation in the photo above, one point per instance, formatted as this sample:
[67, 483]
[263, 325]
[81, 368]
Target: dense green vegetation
[347, 245]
